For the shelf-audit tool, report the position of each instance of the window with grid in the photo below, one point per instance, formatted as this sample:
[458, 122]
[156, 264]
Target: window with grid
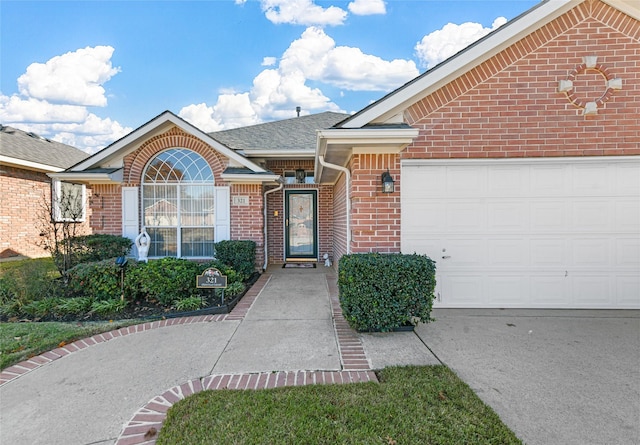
[178, 204]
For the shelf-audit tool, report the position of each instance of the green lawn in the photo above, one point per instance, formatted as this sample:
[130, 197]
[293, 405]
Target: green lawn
[19, 341]
[411, 405]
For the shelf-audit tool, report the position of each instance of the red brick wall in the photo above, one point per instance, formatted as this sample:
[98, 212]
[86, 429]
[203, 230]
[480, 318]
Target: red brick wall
[247, 222]
[275, 202]
[24, 196]
[510, 106]
[375, 216]
[106, 207]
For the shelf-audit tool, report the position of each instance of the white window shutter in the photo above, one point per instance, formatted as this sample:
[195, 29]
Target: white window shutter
[130, 215]
[223, 214]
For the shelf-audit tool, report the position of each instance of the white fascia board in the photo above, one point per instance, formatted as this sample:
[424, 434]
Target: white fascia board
[249, 178]
[89, 178]
[158, 122]
[629, 7]
[367, 136]
[464, 61]
[520, 161]
[29, 165]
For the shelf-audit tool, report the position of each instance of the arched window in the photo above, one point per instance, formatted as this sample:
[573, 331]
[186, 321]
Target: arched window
[178, 204]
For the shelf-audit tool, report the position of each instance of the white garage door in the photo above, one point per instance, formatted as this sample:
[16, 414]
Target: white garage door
[545, 233]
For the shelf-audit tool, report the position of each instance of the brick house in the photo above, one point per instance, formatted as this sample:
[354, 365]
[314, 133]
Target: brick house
[25, 161]
[515, 164]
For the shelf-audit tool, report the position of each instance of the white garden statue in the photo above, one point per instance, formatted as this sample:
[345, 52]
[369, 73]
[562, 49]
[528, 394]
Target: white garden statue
[142, 244]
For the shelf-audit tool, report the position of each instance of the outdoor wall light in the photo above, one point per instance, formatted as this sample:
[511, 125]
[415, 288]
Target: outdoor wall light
[387, 182]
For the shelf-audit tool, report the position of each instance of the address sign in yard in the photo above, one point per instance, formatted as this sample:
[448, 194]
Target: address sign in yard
[211, 278]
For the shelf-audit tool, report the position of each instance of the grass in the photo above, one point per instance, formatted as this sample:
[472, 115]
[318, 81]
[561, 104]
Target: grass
[20, 341]
[411, 405]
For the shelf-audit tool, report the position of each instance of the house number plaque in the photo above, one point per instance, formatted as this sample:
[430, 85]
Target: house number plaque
[240, 200]
[211, 278]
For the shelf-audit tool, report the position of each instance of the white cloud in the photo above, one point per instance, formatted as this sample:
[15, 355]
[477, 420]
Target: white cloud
[318, 57]
[445, 42]
[367, 7]
[54, 97]
[302, 12]
[15, 110]
[73, 78]
[276, 92]
[269, 61]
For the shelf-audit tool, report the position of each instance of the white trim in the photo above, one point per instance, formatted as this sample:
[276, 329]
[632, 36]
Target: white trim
[93, 178]
[21, 163]
[131, 215]
[495, 161]
[56, 190]
[249, 178]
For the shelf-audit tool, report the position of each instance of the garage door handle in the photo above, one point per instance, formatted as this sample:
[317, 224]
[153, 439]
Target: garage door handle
[446, 257]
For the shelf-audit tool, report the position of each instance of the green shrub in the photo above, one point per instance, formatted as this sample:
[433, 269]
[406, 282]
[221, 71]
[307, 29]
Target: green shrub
[22, 282]
[241, 255]
[164, 280]
[41, 308]
[188, 304]
[105, 308]
[234, 289]
[381, 292]
[100, 280]
[74, 306]
[91, 248]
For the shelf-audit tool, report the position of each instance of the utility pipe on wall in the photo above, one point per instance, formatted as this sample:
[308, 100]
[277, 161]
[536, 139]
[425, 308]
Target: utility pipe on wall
[266, 227]
[348, 201]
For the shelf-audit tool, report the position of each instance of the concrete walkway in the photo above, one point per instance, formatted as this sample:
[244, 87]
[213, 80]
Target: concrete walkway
[117, 387]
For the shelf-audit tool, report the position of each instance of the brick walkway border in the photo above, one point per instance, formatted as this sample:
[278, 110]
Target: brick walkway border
[144, 426]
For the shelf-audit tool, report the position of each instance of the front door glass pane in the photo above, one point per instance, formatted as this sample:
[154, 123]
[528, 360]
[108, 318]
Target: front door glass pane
[301, 225]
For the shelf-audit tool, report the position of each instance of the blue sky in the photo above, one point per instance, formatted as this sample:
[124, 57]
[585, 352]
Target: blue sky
[88, 72]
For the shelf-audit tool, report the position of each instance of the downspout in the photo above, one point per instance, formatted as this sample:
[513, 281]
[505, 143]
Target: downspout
[266, 228]
[347, 200]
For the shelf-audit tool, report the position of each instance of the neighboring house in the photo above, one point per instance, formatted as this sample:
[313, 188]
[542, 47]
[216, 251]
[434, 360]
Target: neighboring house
[25, 188]
[515, 166]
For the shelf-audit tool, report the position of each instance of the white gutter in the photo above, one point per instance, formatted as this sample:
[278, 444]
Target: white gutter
[348, 201]
[266, 257]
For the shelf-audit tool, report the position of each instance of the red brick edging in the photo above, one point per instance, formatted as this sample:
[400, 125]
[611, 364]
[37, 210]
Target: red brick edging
[143, 428]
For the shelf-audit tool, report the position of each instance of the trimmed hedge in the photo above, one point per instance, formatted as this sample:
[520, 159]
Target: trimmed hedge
[382, 292]
[91, 248]
[241, 255]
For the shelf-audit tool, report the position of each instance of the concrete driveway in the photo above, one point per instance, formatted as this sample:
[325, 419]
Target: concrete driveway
[553, 376]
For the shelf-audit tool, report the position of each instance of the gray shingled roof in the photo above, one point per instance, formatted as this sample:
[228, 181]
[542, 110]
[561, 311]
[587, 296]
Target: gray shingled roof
[30, 147]
[298, 133]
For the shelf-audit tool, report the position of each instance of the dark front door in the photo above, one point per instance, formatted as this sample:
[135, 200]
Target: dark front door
[301, 233]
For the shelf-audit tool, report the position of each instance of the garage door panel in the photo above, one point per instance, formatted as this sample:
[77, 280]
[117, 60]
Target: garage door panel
[465, 215]
[508, 253]
[548, 180]
[509, 181]
[591, 252]
[507, 216]
[627, 179]
[507, 290]
[466, 182]
[626, 288]
[561, 232]
[591, 180]
[548, 216]
[628, 253]
[462, 290]
[591, 290]
[550, 290]
[627, 215]
[588, 215]
[548, 252]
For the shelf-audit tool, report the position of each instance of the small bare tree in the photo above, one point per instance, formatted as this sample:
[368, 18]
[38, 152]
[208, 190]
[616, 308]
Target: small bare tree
[60, 217]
